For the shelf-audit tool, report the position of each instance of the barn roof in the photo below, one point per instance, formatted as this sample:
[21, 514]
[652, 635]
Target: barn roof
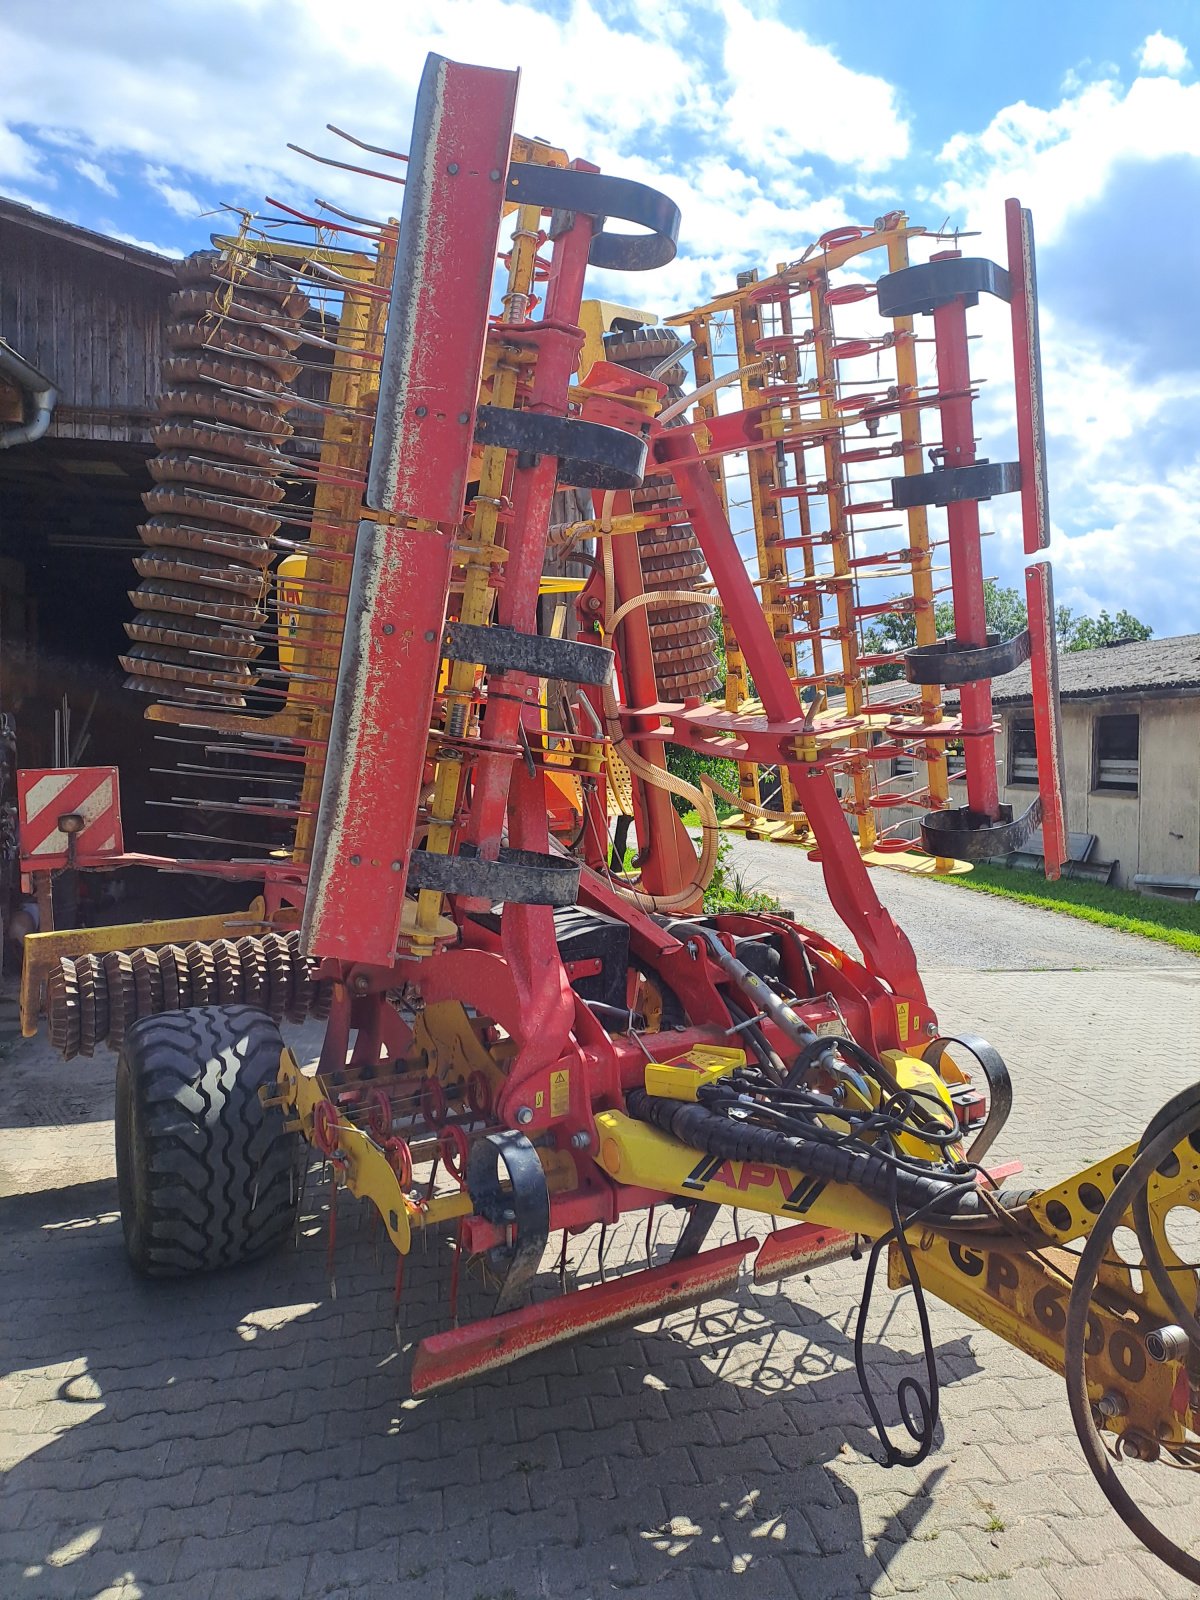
[134, 255]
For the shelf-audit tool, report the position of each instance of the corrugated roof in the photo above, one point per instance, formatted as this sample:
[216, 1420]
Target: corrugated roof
[1144, 664]
[1162, 665]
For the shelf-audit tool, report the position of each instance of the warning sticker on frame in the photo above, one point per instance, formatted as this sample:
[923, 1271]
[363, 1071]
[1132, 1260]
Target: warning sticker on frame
[560, 1093]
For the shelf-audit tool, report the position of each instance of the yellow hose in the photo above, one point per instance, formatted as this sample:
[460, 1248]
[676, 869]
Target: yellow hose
[655, 776]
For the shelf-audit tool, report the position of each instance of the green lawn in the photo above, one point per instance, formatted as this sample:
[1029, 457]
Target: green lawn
[1174, 922]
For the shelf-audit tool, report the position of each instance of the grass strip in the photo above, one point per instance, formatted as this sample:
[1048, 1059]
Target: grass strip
[1173, 922]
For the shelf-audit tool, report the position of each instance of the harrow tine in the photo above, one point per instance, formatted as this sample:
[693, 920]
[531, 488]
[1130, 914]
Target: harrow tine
[479, 1347]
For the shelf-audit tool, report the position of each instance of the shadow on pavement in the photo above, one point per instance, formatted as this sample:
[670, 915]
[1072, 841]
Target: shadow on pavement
[248, 1434]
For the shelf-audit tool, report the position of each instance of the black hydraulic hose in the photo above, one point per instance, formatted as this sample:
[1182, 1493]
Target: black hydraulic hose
[771, 1063]
[871, 1170]
[761, 996]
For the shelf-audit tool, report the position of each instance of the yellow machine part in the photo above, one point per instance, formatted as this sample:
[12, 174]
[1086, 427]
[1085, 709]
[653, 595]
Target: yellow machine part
[682, 1078]
[633, 1152]
[596, 318]
[291, 598]
[1017, 1292]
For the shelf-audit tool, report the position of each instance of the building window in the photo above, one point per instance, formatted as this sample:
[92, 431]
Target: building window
[1116, 752]
[1022, 751]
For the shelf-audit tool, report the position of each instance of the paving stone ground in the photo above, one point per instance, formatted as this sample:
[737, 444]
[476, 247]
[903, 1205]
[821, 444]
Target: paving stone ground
[248, 1435]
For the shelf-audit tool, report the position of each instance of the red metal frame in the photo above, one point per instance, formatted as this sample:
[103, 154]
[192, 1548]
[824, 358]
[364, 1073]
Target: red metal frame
[966, 552]
[393, 644]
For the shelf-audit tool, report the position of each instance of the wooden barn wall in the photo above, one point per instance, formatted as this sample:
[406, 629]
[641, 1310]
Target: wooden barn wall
[92, 324]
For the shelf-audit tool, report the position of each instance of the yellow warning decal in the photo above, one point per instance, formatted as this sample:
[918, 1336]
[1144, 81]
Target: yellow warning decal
[560, 1093]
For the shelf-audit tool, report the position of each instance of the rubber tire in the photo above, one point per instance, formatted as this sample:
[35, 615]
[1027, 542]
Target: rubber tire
[206, 1174]
[641, 348]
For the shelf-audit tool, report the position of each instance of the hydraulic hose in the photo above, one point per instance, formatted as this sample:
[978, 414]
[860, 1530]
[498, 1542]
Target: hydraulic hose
[848, 1162]
[761, 995]
[702, 875]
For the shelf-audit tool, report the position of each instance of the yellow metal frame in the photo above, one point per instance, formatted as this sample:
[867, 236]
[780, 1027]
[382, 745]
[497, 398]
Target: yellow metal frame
[1016, 1290]
[744, 307]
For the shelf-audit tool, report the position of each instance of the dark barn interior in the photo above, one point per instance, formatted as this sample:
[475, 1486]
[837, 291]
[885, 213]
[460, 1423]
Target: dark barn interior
[87, 312]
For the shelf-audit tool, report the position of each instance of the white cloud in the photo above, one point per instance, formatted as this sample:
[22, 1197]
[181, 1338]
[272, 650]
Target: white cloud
[146, 244]
[630, 87]
[1126, 516]
[1060, 161]
[1160, 53]
[96, 175]
[181, 201]
[17, 159]
[849, 117]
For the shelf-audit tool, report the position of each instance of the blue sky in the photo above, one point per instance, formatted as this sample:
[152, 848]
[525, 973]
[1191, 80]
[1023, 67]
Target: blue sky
[768, 123]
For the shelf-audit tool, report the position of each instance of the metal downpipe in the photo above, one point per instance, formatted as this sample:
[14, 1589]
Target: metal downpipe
[40, 399]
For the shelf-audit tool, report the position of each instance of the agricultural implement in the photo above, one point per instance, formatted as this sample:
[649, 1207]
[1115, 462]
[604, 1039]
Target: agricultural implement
[428, 629]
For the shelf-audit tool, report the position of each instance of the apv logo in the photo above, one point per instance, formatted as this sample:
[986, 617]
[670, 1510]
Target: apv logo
[745, 1176]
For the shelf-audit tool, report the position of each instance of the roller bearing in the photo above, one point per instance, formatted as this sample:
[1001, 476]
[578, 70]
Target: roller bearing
[302, 983]
[93, 1003]
[203, 971]
[322, 999]
[227, 965]
[183, 975]
[279, 969]
[168, 973]
[147, 982]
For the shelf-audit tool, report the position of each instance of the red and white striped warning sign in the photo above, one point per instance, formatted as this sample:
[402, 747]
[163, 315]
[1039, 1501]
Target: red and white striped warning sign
[45, 798]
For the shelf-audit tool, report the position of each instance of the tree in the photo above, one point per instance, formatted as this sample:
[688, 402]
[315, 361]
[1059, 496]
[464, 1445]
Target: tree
[895, 630]
[1089, 633]
[1006, 615]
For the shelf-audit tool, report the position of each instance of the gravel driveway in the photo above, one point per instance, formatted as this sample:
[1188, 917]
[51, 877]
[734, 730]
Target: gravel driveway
[950, 928]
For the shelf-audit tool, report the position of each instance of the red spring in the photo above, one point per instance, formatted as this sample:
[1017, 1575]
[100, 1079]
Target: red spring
[845, 235]
[849, 294]
[379, 1114]
[454, 1148]
[325, 1127]
[433, 1102]
[479, 1094]
[400, 1160]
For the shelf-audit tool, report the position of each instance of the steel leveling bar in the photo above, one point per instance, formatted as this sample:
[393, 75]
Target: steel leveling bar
[429, 384]
[480, 1347]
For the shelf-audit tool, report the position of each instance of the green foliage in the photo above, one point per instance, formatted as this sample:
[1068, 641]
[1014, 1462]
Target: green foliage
[729, 890]
[1006, 615]
[1089, 633]
[1174, 922]
[689, 764]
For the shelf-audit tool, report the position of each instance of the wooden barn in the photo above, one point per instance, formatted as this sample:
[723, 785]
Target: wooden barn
[81, 319]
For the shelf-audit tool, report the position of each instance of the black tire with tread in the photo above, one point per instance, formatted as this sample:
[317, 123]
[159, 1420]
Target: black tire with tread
[207, 1175]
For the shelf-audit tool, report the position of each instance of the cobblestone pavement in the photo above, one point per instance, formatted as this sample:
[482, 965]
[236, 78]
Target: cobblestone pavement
[248, 1435]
